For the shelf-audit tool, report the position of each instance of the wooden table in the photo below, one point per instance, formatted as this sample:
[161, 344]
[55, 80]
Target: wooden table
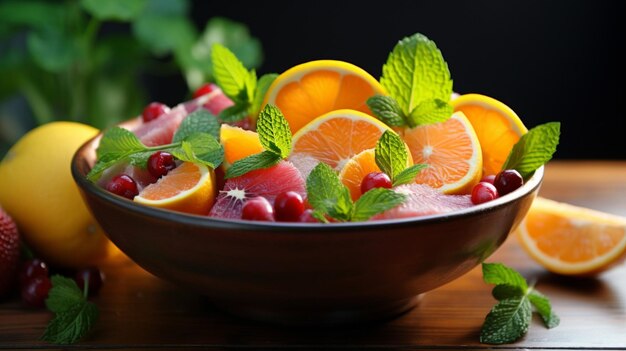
[139, 310]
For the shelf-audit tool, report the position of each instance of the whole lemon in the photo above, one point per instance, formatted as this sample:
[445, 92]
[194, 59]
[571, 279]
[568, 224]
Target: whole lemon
[37, 190]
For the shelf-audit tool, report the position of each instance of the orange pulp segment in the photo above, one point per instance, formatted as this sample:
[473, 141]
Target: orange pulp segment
[238, 143]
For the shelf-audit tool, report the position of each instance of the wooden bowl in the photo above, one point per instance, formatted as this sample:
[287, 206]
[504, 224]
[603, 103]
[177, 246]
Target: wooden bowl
[303, 273]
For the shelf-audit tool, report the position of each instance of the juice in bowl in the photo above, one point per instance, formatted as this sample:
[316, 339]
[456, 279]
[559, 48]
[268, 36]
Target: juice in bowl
[320, 195]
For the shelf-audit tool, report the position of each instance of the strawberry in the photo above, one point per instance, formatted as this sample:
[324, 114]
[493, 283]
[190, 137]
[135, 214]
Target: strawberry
[9, 251]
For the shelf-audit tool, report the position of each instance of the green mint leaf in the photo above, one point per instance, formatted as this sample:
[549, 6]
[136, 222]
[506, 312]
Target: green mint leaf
[390, 154]
[504, 291]
[544, 308]
[327, 194]
[407, 176]
[234, 113]
[120, 10]
[264, 159]
[63, 295]
[71, 325]
[534, 149]
[263, 84]
[231, 75]
[274, 132]
[117, 143]
[319, 216]
[98, 168]
[429, 112]
[507, 321]
[415, 71]
[375, 201]
[200, 148]
[387, 110]
[499, 274]
[199, 121]
[140, 159]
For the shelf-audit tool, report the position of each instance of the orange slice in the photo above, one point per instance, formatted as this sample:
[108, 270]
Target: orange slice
[497, 127]
[336, 137]
[238, 143]
[452, 152]
[312, 89]
[572, 240]
[187, 188]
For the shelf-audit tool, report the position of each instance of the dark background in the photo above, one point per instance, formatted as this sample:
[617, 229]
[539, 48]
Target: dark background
[547, 60]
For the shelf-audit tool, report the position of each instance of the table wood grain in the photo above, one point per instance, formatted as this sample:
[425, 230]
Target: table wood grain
[140, 311]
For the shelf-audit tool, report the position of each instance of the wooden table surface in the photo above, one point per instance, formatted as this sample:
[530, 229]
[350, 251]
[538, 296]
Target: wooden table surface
[138, 310]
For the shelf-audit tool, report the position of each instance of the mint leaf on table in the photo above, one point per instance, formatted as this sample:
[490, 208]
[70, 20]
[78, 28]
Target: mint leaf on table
[534, 149]
[391, 157]
[275, 137]
[510, 318]
[328, 196]
[74, 315]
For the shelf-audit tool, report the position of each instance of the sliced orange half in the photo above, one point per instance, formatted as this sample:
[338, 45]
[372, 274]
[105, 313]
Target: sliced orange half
[497, 127]
[187, 188]
[452, 152]
[572, 240]
[238, 143]
[336, 137]
[312, 89]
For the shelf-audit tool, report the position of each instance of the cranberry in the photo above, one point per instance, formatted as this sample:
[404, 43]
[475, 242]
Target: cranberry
[489, 178]
[154, 110]
[94, 278]
[483, 192]
[507, 181]
[288, 206]
[204, 89]
[160, 162]
[257, 209]
[32, 269]
[35, 291]
[375, 180]
[307, 217]
[123, 185]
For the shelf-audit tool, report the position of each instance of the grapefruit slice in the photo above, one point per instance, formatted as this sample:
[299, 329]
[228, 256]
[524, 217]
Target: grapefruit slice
[267, 182]
[424, 200]
[160, 131]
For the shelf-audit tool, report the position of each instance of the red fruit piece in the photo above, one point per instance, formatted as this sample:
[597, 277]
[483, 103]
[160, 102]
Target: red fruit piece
[483, 192]
[204, 90]
[35, 292]
[257, 209]
[31, 269]
[488, 178]
[375, 180]
[93, 276]
[307, 217]
[423, 200]
[160, 163]
[9, 251]
[507, 181]
[288, 206]
[124, 186]
[154, 110]
[267, 182]
[161, 131]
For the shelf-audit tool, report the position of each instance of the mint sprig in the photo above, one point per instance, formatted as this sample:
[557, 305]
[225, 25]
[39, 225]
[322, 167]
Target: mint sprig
[239, 84]
[328, 196]
[275, 137]
[534, 149]
[194, 141]
[392, 158]
[419, 84]
[510, 318]
[74, 316]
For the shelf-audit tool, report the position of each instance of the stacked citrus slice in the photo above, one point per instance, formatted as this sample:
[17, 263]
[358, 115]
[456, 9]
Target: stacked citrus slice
[238, 143]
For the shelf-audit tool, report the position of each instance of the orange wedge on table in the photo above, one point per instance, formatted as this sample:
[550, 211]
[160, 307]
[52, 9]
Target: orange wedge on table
[187, 188]
[238, 143]
[452, 152]
[572, 240]
[312, 89]
[497, 127]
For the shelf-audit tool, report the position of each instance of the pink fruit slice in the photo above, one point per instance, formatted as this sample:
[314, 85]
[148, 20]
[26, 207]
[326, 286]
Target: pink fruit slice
[140, 175]
[423, 200]
[267, 182]
[161, 130]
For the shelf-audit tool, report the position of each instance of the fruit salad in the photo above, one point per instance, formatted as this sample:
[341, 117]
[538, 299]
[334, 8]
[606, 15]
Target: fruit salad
[324, 142]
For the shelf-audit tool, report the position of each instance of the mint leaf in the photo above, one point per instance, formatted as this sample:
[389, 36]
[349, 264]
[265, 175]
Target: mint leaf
[262, 86]
[327, 194]
[375, 201]
[544, 308]
[407, 176]
[199, 121]
[118, 142]
[507, 321]
[429, 112]
[497, 273]
[264, 159]
[415, 71]
[64, 294]
[140, 159]
[234, 113]
[390, 154]
[387, 110]
[534, 149]
[231, 75]
[200, 148]
[274, 132]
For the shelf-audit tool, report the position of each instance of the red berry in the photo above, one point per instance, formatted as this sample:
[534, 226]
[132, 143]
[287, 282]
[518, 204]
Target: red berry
[123, 185]
[160, 163]
[507, 181]
[94, 278]
[204, 89]
[257, 209]
[9, 251]
[35, 291]
[32, 269]
[307, 217]
[375, 180]
[288, 206]
[483, 192]
[154, 110]
[489, 178]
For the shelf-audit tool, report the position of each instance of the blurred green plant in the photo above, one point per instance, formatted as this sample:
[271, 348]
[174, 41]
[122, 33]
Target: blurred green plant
[57, 64]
